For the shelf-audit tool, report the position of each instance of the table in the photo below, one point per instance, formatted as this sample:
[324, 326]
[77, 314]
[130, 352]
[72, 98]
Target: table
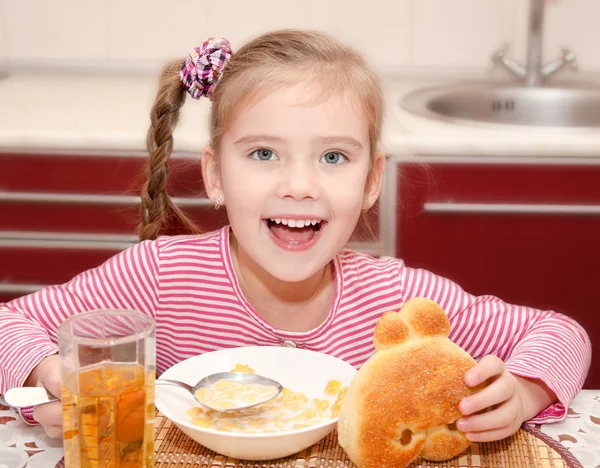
[580, 430]
[27, 446]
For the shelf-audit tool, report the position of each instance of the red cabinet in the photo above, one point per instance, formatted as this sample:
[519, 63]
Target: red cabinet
[99, 194]
[62, 214]
[529, 234]
[55, 265]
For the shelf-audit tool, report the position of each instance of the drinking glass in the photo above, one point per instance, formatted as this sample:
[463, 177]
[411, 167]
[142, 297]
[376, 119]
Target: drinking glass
[108, 360]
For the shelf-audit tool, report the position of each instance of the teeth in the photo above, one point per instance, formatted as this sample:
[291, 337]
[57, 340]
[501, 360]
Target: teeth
[298, 223]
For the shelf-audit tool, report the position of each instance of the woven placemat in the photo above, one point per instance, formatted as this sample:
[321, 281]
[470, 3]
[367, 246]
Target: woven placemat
[525, 449]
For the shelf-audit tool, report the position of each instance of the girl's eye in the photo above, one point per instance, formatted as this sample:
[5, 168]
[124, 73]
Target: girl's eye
[334, 157]
[263, 154]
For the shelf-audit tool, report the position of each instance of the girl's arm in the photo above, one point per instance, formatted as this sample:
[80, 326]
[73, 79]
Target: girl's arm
[29, 324]
[535, 357]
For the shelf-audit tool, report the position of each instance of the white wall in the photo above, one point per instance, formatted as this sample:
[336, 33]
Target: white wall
[3, 53]
[394, 34]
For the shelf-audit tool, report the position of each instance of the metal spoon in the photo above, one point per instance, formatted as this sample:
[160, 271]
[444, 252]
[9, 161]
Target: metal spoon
[241, 377]
[20, 397]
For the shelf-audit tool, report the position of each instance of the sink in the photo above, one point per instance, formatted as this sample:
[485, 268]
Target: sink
[567, 105]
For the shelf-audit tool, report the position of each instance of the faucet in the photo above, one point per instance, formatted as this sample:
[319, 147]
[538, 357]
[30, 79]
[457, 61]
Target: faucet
[534, 72]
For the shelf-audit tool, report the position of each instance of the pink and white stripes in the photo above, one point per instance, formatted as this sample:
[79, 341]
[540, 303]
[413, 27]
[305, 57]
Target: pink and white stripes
[187, 283]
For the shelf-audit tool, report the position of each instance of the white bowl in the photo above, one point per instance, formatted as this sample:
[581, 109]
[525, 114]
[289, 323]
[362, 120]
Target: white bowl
[299, 370]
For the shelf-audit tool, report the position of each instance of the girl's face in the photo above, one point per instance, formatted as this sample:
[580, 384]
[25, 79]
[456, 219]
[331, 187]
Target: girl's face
[292, 177]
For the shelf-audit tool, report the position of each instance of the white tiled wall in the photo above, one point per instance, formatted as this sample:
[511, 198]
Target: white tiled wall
[461, 33]
[42, 31]
[152, 30]
[391, 33]
[240, 20]
[571, 23]
[2, 36]
[380, 29]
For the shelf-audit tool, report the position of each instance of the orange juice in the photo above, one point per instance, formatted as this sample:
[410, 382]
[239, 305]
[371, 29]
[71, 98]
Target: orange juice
[108, 417]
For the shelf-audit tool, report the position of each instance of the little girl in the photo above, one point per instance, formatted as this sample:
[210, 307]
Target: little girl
[294, 158]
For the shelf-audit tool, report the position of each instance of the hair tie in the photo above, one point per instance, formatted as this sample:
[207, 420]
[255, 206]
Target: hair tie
[203, 67]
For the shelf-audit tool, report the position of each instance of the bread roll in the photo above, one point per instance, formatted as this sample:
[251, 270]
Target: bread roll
[403, 402]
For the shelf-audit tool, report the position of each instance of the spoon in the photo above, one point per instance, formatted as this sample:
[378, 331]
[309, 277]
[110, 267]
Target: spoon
[20, 397]
[241, 377]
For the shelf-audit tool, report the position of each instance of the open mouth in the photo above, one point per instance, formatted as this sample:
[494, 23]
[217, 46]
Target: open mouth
[295, 232]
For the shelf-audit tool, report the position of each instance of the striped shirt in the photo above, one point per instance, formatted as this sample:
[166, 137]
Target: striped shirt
[189, 286]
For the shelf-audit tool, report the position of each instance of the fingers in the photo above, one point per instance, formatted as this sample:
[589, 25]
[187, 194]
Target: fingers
[49, 376]
[49, 416]
[494, 412]
[489, 366]
[493, 425]
[499, 391]
[492, 435]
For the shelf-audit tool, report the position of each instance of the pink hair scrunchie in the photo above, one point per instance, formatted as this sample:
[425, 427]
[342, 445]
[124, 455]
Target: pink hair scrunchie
[202, 68]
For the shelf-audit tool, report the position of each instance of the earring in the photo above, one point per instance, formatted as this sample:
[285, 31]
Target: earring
[366, 205]
[217, 202]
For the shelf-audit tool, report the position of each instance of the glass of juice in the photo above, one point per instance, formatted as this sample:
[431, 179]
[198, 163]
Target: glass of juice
[108, 360]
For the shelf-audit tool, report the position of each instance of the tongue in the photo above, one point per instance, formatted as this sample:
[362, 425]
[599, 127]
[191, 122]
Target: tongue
[293, 235]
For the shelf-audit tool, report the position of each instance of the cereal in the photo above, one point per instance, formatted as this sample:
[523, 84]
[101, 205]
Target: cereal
[202, 422]
[242, 368]
[333, 387]
[335, 408]
[226, 394]
[289, 411]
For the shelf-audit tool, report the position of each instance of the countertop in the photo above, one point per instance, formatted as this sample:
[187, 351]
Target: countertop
[103, 112]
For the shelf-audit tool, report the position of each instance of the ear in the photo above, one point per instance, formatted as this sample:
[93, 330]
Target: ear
[211, 174]
[374, 180]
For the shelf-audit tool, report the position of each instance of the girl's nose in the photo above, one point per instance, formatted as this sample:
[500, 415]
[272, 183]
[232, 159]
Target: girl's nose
[299, 181]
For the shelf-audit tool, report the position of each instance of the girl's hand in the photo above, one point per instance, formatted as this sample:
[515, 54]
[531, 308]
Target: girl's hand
[47, 374]
[498, 410]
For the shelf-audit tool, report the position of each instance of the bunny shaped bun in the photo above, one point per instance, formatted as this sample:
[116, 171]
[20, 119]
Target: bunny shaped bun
[403, 402]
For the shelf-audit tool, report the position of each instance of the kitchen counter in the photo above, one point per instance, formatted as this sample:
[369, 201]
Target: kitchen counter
[409, 134]
[107, 113]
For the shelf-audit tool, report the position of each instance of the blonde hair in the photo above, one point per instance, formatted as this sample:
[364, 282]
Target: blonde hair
[272, 60]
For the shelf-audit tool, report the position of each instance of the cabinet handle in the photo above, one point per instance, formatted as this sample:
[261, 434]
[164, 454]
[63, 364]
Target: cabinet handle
[66, 240]
[85, 199]
[67, 236]
[511, 208]
[19, 288]
[67, 244]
